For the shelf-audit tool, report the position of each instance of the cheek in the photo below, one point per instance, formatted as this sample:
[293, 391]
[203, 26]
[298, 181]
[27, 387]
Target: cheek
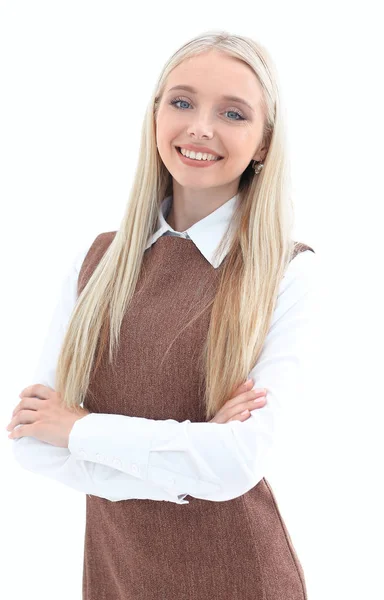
[236, 144]
[243, 147]
[166, 125]
[166, 135]
[164, 142]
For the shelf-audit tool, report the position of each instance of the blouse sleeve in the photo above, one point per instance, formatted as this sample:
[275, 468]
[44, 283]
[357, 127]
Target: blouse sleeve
[59, 463]
[213, 461]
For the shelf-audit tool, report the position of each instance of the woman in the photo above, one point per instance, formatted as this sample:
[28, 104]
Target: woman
[161, 326]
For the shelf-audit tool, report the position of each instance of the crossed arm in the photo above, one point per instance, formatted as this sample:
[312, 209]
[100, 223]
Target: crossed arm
[120, 457]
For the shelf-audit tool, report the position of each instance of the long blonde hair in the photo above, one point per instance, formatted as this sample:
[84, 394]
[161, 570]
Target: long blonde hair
[259, 252]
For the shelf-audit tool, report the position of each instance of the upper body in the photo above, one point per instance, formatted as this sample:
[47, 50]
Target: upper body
[86, 465]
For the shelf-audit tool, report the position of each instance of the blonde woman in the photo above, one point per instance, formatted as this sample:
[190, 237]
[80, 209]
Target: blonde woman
[167, 331]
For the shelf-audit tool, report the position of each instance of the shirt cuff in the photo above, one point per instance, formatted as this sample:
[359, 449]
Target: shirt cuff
[127, 441]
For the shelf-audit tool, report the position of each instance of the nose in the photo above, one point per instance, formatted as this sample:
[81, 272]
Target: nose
[200, 127]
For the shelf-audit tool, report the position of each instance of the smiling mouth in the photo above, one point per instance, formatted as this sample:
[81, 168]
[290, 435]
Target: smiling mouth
[179, 151]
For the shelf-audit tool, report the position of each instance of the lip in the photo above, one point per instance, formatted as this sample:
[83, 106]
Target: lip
[199, 149]
[198, 164]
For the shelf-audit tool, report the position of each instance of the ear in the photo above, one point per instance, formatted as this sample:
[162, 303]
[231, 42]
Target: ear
[260, 154]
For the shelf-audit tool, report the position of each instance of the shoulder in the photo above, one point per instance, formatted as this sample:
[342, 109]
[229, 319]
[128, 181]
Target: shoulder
[297, 297]
[297, 289]
[93, 250]
[301, 271]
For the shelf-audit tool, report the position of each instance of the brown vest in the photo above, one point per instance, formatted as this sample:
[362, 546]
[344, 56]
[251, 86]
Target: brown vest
[158, 550]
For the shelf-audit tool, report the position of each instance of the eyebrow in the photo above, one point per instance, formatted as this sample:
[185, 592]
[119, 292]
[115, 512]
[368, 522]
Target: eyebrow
[193, 90]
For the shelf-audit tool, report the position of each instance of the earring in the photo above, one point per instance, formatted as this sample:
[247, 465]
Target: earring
[257, 166]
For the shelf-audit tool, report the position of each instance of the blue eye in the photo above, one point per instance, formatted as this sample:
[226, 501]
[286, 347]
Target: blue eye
[235, 112]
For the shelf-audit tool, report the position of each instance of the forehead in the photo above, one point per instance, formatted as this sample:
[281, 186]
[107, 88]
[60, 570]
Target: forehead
[214, 74]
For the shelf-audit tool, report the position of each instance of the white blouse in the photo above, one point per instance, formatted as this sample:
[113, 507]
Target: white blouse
[121, 457]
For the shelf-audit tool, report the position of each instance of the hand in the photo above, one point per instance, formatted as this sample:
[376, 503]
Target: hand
[243, 399]
[42, 415]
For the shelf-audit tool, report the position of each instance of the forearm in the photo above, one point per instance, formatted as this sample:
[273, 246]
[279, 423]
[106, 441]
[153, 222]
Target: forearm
[85, 476]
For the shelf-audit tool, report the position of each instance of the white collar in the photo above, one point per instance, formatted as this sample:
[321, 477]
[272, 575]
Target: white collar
[206, 234]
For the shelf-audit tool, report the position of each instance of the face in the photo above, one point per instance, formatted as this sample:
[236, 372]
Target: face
[229, 128]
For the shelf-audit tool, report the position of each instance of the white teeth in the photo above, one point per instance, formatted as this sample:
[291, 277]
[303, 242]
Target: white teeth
[198, 155]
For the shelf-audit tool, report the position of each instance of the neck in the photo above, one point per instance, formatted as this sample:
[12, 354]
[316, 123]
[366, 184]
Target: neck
[188, 208]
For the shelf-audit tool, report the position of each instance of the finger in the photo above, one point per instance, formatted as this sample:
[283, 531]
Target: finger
[37, 389]
[22, 417]
[30, 403]
[244, 398]
[243, 416]
[256, 403]
[238, 404]
[247, 385]
[17, 407]
[238, 409]
[22, 431]
[246, 413]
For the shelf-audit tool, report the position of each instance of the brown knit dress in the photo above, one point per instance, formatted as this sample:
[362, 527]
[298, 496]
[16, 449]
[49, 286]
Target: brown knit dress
[157, 550]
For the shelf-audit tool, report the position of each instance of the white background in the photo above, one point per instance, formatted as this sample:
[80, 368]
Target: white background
[75, 80]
